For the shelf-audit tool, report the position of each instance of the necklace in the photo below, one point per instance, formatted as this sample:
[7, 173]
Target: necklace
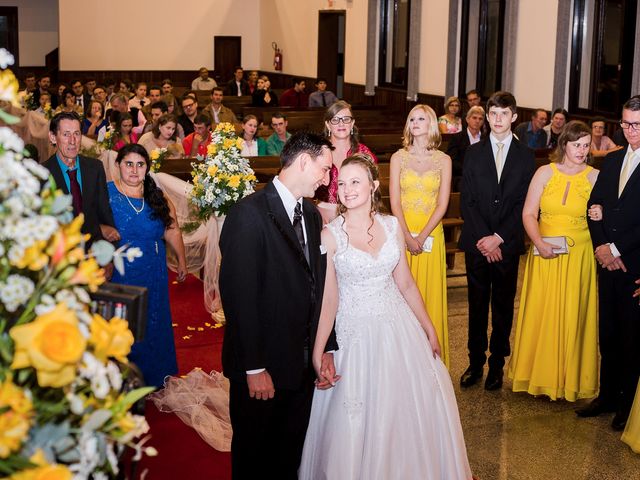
[138, 212]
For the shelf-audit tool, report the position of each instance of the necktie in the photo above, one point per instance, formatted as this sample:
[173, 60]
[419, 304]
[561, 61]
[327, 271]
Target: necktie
[626, 172]
[499, 161]
[324, 100]
[78, 101]
[76, 193]
[297, 224]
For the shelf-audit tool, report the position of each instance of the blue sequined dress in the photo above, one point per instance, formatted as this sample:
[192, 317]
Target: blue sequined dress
[156, 354]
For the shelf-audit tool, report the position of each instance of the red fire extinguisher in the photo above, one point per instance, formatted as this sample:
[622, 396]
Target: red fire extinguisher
[277, 57]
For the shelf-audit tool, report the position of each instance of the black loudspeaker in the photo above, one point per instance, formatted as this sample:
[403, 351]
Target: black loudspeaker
[125, 301]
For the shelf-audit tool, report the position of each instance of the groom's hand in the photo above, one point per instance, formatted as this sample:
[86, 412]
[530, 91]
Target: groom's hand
[260, 386]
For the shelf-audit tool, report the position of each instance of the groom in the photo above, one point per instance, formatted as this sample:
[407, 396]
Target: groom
[271, 283]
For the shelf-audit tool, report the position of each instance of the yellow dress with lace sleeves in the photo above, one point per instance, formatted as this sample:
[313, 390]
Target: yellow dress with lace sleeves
[631, 434]
[555, 345]
[418, 195]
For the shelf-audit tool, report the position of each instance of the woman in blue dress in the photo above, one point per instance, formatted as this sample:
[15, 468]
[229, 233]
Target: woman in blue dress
[146, 219]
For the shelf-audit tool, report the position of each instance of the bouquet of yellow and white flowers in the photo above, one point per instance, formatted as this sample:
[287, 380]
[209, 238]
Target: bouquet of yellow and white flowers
[157, 156]
[62, 411]
[48, 111]
[108, 141]
[224, 177]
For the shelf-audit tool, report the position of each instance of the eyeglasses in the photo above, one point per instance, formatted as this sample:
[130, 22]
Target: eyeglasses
[188, 105]
[344, 120]
[635, 126]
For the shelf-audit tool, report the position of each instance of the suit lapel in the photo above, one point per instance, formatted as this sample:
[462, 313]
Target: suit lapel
[491, 161]
[509, 161]
[280, 219]
[633, 179]
[312, 233]
[56, 172]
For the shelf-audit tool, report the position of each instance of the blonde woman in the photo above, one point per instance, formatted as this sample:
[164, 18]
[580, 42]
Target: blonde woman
[419, 187]
[451, 122]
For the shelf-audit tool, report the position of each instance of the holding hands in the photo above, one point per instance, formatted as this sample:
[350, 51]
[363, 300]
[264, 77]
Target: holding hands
[325, 371]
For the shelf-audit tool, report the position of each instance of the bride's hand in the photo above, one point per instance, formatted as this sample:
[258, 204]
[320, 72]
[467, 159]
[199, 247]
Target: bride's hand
[433, 341]
[325, 371]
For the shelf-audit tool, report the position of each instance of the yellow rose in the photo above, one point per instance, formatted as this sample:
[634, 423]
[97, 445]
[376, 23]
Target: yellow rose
[212, 149]
[234, 181]
[9, 87]
[239, 143]
[43, 471]
[154, 155]
[52, 344]
[107, 135]
[14, 428]
[228, 143]
[111, 338]
[88, 273]
[14, 397]
[250, 178]
[212, 170]
[34, 257]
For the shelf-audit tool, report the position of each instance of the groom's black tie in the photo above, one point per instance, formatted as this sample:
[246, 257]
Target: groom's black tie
[297, 224]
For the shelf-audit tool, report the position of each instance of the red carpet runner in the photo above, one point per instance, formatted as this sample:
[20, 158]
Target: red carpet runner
[182, 454]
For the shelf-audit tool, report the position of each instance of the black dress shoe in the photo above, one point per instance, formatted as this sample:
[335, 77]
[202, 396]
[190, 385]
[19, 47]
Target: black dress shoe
[619, 420]
[470, 376]
[595, 408]
[494, 380]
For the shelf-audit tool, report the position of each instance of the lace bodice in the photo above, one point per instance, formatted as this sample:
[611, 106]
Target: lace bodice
[419, 191]
[365, 282]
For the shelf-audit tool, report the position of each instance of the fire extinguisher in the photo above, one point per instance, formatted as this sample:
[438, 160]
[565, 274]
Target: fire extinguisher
[277, 57]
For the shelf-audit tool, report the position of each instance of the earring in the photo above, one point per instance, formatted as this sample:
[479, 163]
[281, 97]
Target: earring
[351, 130]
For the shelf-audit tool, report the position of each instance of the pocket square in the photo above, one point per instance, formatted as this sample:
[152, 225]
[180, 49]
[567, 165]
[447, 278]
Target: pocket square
[323, 250]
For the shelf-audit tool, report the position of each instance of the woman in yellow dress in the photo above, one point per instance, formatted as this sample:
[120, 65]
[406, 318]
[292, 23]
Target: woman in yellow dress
[555, 347]
[419, 186]
[631, 434]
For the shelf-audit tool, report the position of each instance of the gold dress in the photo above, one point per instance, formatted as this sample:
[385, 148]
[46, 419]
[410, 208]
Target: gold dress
[555, 348]
[631, 434]
[418, 195]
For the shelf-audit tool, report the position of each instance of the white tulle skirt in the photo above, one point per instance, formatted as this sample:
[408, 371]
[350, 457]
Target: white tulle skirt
[393, 415]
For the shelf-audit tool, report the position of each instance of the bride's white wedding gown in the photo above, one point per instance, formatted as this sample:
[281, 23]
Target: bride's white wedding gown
[393, 415]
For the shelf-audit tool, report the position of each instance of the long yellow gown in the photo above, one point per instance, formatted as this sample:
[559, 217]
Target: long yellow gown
[555, 348]
[631, 434]
[418, 195]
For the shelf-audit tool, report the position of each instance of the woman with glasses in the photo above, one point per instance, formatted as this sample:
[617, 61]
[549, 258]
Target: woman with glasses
[419, 187]
[340, 127]
[451, 122]
[600, 143]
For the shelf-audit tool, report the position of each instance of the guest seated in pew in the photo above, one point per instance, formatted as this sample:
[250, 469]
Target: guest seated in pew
[69, 104]
[163, 135]
[238, 86]
[322, 97]
[340, 128]
[263, 96]
[124, 131]
[100, 94]
[459, 143]
[95, 120]
[451, 122]
[173, 105]
[44, 83]
[532, 133]
[600, 143]
[280, 135]
[295, 96]
[140, 98]
[559, 119]
[167, 86]
[203, 82]
[189, 106]
[217, 112]
[45, 103]
[196, 143]
[253, 145]
[419, 188]
[125, 87]
[253, 81]
[157, 110]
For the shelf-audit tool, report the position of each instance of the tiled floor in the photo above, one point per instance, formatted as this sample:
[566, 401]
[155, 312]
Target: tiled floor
[519, 437]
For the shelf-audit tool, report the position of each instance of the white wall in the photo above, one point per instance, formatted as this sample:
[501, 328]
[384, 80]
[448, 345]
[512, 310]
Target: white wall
[535, 53]
[37, 29]
[172, 35]
[433, 47]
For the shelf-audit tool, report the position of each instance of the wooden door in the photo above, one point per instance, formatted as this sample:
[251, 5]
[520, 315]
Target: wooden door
[331, 49]
[227, 54]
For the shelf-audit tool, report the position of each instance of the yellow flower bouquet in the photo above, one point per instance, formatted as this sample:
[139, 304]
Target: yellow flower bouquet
[157, 156]
[63, 412]
[224, 177]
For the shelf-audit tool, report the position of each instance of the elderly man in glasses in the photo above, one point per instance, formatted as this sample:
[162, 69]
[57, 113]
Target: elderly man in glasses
[280, 135]
[616, 239]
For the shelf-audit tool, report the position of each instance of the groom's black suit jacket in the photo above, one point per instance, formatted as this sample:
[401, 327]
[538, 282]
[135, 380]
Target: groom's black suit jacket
[270, 294]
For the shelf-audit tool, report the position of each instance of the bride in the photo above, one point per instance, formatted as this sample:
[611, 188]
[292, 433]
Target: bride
[391, 413]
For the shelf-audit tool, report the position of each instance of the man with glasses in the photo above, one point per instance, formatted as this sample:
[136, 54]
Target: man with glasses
[280, 136]
[190, 109]
[616, 239]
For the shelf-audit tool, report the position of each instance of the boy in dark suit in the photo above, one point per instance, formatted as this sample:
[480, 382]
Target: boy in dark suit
[495, 179]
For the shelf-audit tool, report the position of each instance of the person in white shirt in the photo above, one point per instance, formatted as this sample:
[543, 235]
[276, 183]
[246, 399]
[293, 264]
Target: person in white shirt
[203, 82]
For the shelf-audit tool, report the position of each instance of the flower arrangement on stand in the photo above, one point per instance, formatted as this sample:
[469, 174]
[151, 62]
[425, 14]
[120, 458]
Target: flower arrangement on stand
[157, 156]
[62, 412]
[220, 180]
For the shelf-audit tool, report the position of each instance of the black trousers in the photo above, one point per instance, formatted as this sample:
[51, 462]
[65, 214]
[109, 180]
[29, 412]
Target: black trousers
[268, 435]
[619, 335]
[495, 284]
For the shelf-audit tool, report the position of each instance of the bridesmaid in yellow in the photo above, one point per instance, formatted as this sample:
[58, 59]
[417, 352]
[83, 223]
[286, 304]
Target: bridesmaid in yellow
[419, 185]
[555, 347]
[631, 434]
